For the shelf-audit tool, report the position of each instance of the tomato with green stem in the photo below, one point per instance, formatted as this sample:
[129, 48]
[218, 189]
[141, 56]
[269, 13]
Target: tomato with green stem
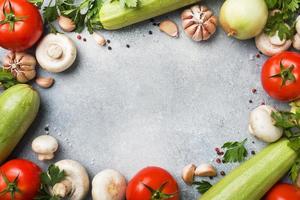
[21, 24]
[283, 191]
[19, 180]
[152, 183]
[280, 76]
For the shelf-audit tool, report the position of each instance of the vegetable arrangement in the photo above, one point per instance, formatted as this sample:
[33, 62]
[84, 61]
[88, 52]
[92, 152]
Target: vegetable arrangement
[273, 23]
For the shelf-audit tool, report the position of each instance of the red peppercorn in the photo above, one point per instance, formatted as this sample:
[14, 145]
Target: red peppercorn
[79, 37]
[222, 173]
[254, 90]
[217, 149]
[258, 55]
[218, 160]
[220, 153]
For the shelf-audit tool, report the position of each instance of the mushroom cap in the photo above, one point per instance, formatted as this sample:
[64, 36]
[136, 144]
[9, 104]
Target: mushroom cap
[298, 24]
[77, 175]
[56, 52]
[44, 144]
[262, 126]
[109, 184]
[264, 44]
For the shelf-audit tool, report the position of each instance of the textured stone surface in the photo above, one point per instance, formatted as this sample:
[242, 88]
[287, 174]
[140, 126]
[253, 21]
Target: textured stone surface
[163, 101]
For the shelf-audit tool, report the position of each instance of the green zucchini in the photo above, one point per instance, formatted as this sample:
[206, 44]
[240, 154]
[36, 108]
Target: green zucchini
[252, 179]
[114, 16]
[18, 108]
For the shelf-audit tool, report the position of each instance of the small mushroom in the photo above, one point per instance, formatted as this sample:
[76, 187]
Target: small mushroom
[169, 27]
[205, 170]
[99, 39]
[76, 184]
[21, 65]
[66, 24]
[296, 41]
[56, 52]
[45, 146]
[271, 45]
[199, 23]
[261, 124]
[44, 82]
[188, 173]
[109, 184]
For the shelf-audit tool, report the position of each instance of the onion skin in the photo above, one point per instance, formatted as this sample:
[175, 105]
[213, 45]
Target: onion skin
[243, 19]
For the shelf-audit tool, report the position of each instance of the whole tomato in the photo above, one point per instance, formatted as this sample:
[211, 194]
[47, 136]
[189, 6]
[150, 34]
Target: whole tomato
[280, 76]
[152, 183]
[283, 191]
[21, 24]
[19, 180]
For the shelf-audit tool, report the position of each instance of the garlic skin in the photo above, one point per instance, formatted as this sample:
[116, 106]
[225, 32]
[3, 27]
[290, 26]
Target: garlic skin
[261, 124]
[21, 65]
[199, 23]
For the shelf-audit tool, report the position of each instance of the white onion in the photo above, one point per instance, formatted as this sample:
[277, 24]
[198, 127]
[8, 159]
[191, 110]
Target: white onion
[244, 19]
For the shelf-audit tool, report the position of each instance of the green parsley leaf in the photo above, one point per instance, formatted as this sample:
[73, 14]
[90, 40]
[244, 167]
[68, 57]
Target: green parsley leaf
[49, 178]
[235, 151]
[294, 171]
[202, 186]
[50, 13]
[37, 3]
[7, 80]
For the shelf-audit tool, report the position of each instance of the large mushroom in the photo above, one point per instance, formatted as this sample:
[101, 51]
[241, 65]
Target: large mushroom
[109, 184]
[56, 52]
[76, 184]
[271, 45]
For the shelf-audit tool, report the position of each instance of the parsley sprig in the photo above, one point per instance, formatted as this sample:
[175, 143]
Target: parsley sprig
[7, 80]
[283, 21]
[49, 178]
[235, 151]
[202, 186]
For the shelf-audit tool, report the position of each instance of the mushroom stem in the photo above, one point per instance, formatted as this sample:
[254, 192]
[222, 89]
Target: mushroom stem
[62, 189]
[54, 51]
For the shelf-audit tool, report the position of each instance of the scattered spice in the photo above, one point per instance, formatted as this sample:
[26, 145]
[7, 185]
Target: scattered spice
[218, 160]
[47, 128]
[222, 173]
[84, 39]
[127, 45]
[211, 178]
[253, 152]
[250, 101]
[79, 37]
[258, 55]
[217, 149]
[253, 142]
[108, 41]
[150, 32]
[254, 91]
[221, 153]
[151, 20]
[263, 103]
[109, 48]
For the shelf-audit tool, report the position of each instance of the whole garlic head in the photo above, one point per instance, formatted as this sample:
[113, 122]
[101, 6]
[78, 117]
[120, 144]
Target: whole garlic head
[199, 23]
[21, 65]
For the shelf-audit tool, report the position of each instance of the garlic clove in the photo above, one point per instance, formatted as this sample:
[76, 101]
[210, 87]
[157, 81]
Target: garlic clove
[20, 76]
[188, 174]
[29, 74]
[296, 41]
[169, 27]
[205, 170]
[198, 34]
[99, 39]
[187, 23]
[45, 82]
[66, 24]
[187, 14]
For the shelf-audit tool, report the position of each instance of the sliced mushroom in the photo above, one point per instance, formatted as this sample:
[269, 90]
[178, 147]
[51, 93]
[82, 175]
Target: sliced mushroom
[76, 184]
[267, 45]
[56, 52]
[109, 184]
[45, 146]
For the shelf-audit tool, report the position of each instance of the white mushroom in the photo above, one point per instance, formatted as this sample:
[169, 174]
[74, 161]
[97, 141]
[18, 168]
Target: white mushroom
[109, 184]
[296, 41]
[262, 126]
[56, 52]
[45, 146]
[298, 24]
[76, 184]
[271, 45]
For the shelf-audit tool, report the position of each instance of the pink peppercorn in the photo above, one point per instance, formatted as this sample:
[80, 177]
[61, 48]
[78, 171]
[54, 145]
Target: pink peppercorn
[79, 37]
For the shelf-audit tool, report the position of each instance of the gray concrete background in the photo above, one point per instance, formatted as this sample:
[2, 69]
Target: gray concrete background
[164, 101]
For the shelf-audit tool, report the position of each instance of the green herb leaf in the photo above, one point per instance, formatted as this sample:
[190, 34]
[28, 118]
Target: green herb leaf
[37, 3]
[7, 80]
[50, 13]
[202, 186]
[294, 171]
[235, 151]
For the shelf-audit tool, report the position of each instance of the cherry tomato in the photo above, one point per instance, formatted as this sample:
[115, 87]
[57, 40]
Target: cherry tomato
[20, 178]
[21, 24]
[281, 76]
[283, 191]
[152, 183]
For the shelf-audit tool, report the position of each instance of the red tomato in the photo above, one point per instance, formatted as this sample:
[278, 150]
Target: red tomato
[280, 76]
[152, 183]
[23, 180]
[283, 191]
[21, 24]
